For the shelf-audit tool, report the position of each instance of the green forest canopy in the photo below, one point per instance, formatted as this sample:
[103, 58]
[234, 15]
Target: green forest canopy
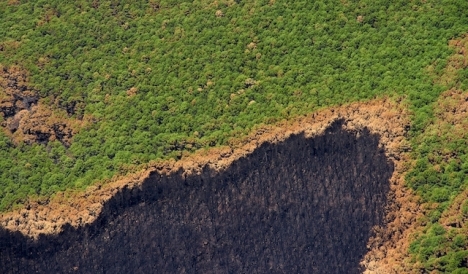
[160, 78]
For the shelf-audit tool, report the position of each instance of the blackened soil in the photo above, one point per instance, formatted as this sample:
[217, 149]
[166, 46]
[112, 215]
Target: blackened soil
[300, 206]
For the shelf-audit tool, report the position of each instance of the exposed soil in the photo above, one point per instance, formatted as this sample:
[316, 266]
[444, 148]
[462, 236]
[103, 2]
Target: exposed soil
[86, 219]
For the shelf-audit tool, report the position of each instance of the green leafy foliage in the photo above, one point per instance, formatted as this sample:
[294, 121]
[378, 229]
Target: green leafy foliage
[159, 78]
[439, 176]
[441, 251]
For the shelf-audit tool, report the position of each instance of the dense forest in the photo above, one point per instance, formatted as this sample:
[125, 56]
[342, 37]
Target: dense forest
[94, 89]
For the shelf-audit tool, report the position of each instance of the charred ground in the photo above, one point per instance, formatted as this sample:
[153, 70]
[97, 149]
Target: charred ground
[305, 203]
